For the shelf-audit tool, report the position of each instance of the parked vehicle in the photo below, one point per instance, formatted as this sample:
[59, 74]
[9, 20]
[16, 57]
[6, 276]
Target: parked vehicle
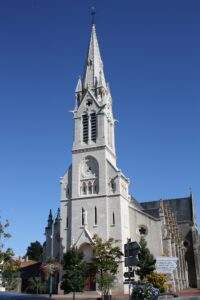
[17, 296]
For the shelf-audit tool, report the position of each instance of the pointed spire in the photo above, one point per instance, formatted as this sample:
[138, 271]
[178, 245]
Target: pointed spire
[93, 72]
[50, 219]
[58, 215]
[79, 87]
[50, 215]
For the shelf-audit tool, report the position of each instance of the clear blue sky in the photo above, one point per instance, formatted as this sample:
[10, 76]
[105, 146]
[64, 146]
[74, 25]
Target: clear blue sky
[151, 54]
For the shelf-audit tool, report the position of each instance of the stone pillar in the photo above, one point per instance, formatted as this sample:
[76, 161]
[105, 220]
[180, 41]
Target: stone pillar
[176, 272]
[179, 266]
[184, 266]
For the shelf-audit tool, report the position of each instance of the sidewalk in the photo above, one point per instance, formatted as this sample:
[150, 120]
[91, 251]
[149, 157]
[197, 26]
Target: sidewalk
[95, 295]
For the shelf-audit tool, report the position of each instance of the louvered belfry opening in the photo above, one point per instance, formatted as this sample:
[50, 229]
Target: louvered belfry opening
[85, 128]
[93, 127]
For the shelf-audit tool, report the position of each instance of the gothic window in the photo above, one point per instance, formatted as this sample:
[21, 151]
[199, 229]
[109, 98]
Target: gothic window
[93, 120]
[85, 128]
[89, 176]
[90, 188]
[83, 216]
[113, 219]
[95, 215]
[84, 188]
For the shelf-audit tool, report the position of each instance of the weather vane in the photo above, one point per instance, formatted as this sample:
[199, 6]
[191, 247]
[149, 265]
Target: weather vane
[93, 13]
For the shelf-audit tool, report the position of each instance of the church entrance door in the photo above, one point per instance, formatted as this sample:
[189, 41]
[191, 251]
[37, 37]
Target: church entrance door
[90, 284]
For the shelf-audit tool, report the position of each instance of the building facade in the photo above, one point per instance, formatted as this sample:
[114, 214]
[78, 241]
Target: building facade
[95, 196]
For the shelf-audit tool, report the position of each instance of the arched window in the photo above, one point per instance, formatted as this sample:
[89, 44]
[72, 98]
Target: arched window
[85, 128]
[83, 216]
[84, 188]
[95, 216]
[93, 121]
[113, 218]
[89, 176]
[90, 187]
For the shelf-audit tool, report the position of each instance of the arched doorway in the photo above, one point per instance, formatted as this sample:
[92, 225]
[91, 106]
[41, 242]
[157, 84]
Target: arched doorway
[90, 284]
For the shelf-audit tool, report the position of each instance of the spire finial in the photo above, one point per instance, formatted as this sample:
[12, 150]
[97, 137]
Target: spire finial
[190, 190]
[93, 13]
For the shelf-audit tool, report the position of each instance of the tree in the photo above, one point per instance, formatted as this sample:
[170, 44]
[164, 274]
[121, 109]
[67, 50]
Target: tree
[9, 267]
[146, 261]
[36, 285]
[34, 251]
[4, 234]
[106, 261]
[74, 272]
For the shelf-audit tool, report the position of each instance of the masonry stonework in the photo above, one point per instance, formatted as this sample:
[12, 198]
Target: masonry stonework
[95, 196]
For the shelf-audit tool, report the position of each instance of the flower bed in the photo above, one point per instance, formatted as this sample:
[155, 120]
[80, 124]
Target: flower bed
[144, 291]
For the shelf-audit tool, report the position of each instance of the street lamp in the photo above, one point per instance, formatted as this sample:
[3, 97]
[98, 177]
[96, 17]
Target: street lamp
[51, 265]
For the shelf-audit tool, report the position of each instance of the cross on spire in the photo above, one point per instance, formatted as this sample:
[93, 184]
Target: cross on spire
[93, 13]
[93, 72]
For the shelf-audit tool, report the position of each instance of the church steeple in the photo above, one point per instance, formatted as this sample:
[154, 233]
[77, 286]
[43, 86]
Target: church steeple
[93, 74]
[93, 116]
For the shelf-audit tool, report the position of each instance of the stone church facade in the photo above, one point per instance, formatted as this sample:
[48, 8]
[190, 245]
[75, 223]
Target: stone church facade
[95, 196]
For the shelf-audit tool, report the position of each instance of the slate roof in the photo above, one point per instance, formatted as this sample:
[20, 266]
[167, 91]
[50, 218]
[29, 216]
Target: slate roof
[182, 207]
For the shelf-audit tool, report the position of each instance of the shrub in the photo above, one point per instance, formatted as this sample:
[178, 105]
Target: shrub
[158, 280]
[144, 291]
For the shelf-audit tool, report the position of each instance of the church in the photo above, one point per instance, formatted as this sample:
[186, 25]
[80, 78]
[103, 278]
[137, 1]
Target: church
[95, 196]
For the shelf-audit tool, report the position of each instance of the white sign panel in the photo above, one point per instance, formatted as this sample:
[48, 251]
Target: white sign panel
[166, 264]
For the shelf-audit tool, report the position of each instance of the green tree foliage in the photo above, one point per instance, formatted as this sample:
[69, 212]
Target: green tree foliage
[9, 267]
[106, 261]
[36, 286]
[74, 272]
[50, 267]
[34, 251]
[4, 234]
[146, 261]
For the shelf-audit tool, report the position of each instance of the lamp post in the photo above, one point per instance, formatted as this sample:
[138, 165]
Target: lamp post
[55, 222]
[51, 261]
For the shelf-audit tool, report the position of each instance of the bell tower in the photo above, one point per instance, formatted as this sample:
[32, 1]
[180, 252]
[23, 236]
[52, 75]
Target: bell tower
[93, 117]
[94, 192]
